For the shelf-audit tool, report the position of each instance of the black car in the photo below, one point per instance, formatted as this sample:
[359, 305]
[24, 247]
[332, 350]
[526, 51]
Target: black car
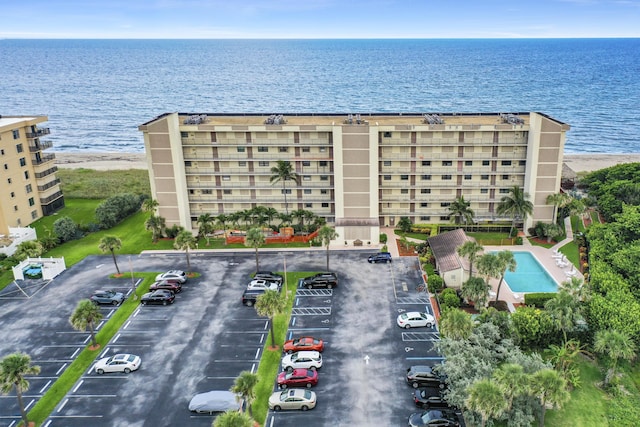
[268, 275]
[321, 280]
[249, 296]
[434, 418]
[169, 285]
[430, 398]
[424, 376]
[107, 297]
[161, 296]
[380, 257]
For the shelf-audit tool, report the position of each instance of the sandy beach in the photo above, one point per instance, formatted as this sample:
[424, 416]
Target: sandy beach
[119, 161]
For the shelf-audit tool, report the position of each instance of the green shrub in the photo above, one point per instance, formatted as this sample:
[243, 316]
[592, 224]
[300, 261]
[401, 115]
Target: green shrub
[116, 208]
[538, 299]
[449, 299]
[435, 284]
[383, 238]
[383, 249]
[66, 229]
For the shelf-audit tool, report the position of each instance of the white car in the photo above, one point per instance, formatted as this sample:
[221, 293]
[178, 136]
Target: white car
[294, 398]
[302, 359]
[175, 275]
[118, 363]
[415, 319]
[263, 284]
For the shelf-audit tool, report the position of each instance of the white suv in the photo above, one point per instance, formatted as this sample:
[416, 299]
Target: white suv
[302, 359]
[175, 275]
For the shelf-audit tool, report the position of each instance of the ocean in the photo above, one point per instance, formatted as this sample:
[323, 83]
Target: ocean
[97, 92]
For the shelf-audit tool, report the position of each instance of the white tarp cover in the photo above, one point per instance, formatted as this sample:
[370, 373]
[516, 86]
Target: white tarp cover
[214, 401]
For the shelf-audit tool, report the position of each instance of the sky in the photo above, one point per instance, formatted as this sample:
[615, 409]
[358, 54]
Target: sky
[249, 19]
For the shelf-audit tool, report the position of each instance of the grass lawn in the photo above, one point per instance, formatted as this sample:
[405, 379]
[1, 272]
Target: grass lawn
[491, 238]
[419, 236]
[93, 184]
[81, 211]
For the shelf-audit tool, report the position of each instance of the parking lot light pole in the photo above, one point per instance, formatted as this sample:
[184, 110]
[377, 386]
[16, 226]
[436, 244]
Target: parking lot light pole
[133, 283]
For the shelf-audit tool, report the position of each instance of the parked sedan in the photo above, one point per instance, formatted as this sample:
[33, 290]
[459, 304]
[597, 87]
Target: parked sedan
[161, 296]
[414, 319]
[107, 297]
[424, 376]
[177, 275]
[303, 343]
[263, 284]
[292, 399]
[174, 287]
[430, 398]
[298, 378]
[434, 418]
[302, 359]
[118, 363]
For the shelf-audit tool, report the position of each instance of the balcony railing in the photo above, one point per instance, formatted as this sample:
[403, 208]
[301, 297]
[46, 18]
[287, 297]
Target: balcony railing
[43, 159]
[38, 133]
[47, 172]
[49, 185]
[54, 196]
[41, 145]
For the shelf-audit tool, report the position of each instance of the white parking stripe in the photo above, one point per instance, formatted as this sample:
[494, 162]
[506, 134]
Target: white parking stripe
[61, 369]
[62, 406]
[45, 386]
[106, 350]
[78, 386]
[29, 405]
[116, 338]
[73, 356]
[257, 356]
[126, 325]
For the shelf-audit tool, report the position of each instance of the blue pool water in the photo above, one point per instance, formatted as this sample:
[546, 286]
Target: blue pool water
[529, 276]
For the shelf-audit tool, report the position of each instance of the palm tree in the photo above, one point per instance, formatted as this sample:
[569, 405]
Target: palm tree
[150, 205]
[86, 315]
[461, 213]
[285, 219]
[13, 369]
[244, 386]
[299, 214]
[405, 224]
[28, 249]
[489, 265]
[470, 249]
[456, 324]
[259, 216]
[477, 290]
[254, 239]
[222, 220]
[564, 311]
[183, 242]
[326, 235]
[269, 305]
[506, 261]
[511, 378]
[205, 226]
[233, 419]
[156, 225]
[235, 218]
[246, 216]
[615, 345]
[516, 205]
[558, 200]
[550, 388]
[309, 218]
[111, 244]
[577, 288]
[271, 213]
[563, 357]
[283, 172]
[486, 398]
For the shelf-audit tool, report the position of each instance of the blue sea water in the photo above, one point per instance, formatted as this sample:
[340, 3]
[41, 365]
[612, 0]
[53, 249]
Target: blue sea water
[97, 92]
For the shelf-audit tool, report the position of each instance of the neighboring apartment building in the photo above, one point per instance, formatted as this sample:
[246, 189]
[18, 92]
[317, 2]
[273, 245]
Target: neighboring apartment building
[28, 181]
[360, 172]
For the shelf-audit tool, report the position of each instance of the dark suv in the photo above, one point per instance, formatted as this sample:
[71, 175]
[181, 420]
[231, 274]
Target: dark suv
[250, 296]
[424, 376]
[321, 280]
[380, 257]
[430, 398]
[268, 275]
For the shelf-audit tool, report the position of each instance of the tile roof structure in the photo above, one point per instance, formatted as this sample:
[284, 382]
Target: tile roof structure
[444, 248]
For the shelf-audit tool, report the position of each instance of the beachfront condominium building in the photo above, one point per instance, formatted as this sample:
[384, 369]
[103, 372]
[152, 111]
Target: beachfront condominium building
[359, 171]
[30, 188]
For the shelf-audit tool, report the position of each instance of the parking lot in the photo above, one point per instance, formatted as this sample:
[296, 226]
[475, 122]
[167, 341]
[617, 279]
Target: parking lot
[204, 340]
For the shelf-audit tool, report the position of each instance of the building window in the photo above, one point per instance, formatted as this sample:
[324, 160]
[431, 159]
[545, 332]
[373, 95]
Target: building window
[187, 163]
[523, 162]
[485, 163]
[446, 177]
[307, 191]
[386, 134]
[323, 163]
[240, 149]
[325, 205]
[263, 164]
[26, 174]
[184, 134]
[468, 162]
[484, 177]
[226, 191]
[386, 163]
[505, 177]
[242, 164]
[404, 177]
[31, 201]
[323, 149]
[387, 177]
[28, 188]
[192, 192]
[6, 167]
[447, 163]
[444, 218]
[505, 162]
[467, 177]
[425, 177]
[34, 214]
[13, 194]
[445, 204]
[323, 191]
[308, 205]
[283, 149]
[426, 163]
[484, 190]
[226, 177]
[424, 205]
[425, 191]
[504, 191]
[263, 149]
[16, 135]
[306, 178]
[306, 149]
[19, 148]
[9, 181]
[425, 218]
[324, 177]
[287, 191]
[207, 191]
[23, 161]
[404, 191]
[306, 163]
[2, 151]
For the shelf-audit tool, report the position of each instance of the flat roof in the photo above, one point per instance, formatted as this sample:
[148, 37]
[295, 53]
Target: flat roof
[12, 121]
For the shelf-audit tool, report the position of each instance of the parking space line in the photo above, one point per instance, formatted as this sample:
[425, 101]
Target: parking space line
[308, 329]
[53, 361]
[413, 300]
[78, 386]
[104, 353]
[266, 324]
[420, 336]
[425, 358]
[60, 345]
[126, 325]
[253, 368]
[297, 301]
[116, 338]
[235, 361]
[61, 369]
[257, 356]
[293, 321]
[73, 356]
[100, 325]
[90, 395]
[62, 406]
[29, 405]
[135, 313]
[110, 313]
[72, 416]
[45, 386]
[261, 339]
[217, 378]
[311, 311]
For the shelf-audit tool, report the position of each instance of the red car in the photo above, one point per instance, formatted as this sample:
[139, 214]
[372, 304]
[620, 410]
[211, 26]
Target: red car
[303, 344]
[169, 285]
[298, 378]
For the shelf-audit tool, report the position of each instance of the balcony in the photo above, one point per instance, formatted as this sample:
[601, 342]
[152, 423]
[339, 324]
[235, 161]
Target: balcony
[38, 133]
[40, 145]
[40, 175]
[48, 185]
[51, 198]
[39, 160]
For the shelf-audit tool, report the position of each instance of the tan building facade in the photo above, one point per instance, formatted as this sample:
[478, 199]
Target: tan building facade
[30, 188]
[359, 172]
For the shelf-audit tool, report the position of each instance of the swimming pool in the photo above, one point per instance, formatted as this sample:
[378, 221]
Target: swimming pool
[529, 276]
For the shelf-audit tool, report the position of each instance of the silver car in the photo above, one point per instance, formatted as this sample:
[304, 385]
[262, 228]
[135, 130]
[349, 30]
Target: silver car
[302, 359]
[295, 398]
